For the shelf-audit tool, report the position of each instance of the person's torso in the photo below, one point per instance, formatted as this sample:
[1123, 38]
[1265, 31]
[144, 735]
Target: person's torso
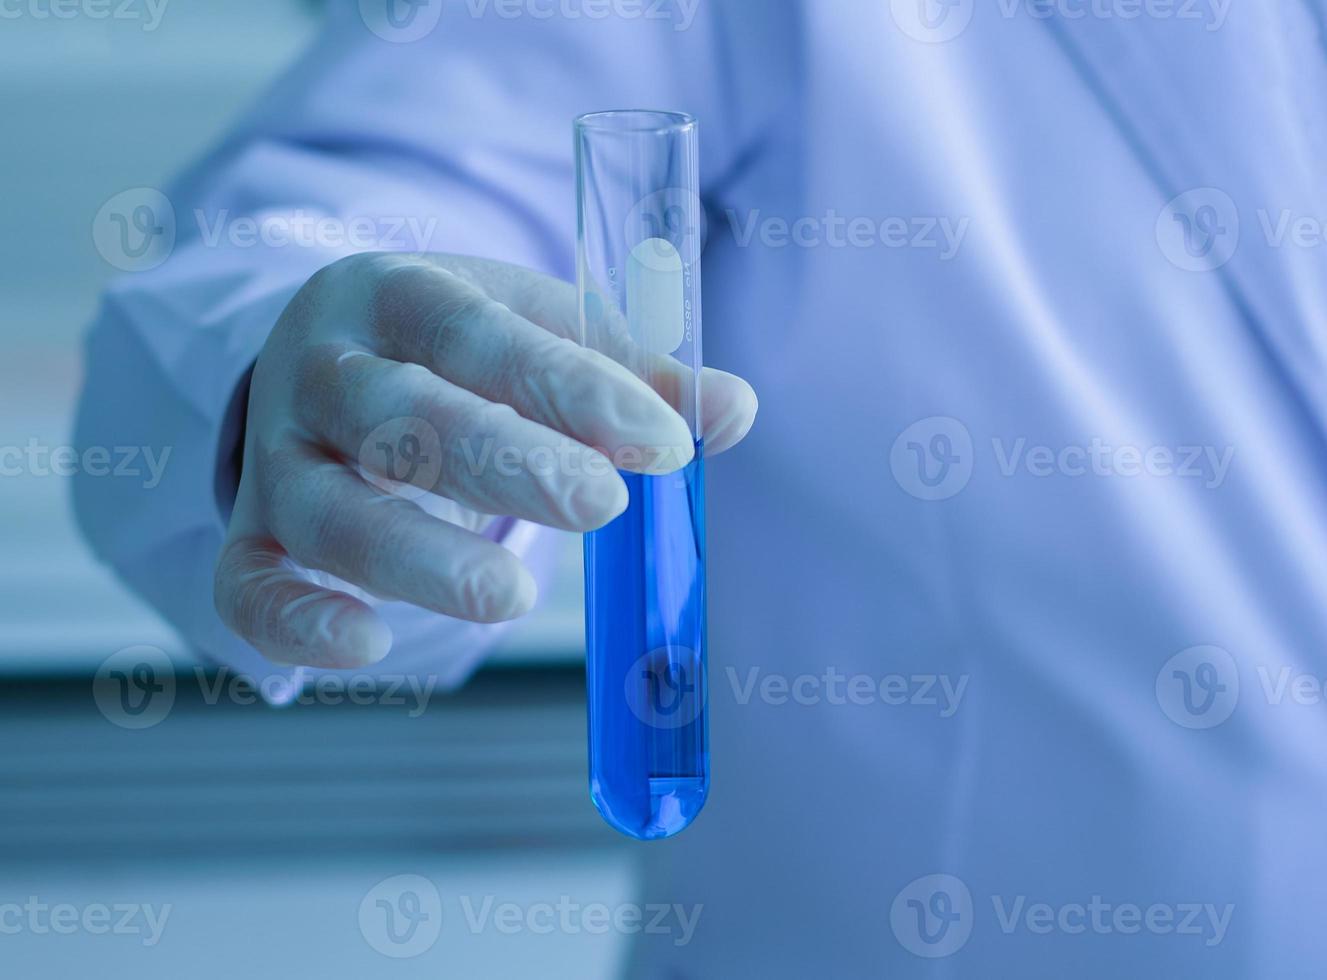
[1018, 579]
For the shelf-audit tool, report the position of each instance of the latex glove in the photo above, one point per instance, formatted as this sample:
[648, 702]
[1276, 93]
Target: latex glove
[425, 368]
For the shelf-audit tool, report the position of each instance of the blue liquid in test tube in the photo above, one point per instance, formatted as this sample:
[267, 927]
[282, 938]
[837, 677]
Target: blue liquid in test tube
[638, 253]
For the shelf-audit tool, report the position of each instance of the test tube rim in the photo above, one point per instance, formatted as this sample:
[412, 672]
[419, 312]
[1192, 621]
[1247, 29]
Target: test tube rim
[610, 121]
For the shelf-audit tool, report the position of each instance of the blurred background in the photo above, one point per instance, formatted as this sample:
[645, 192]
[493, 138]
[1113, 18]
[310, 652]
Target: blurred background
[253, 837]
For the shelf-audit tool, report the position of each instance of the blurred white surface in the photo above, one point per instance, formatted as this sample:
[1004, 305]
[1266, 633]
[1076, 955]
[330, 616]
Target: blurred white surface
[91, 108]
[251, 921]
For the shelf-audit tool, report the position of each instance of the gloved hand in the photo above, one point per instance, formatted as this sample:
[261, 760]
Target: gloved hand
[453, 375]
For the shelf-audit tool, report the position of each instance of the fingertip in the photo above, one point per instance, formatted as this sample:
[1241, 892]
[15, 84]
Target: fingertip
[673, 447]
[747, 399]
[731, 406]
[364, 639]
[597, 501]
[334, 632]
[653, 430]
[669, 458]
[681, 441]
[499, 591]
[621, 499]
[526, 592]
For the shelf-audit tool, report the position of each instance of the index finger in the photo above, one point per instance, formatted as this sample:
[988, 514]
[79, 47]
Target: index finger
[728, 404]
[426, 314]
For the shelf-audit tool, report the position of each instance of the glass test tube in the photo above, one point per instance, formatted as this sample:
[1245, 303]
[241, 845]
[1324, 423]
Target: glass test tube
[638, 270]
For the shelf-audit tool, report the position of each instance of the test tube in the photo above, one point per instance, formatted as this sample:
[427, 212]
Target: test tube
[639, 230]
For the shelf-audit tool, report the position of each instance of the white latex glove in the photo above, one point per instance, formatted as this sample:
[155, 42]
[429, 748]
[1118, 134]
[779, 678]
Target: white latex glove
[456, 376]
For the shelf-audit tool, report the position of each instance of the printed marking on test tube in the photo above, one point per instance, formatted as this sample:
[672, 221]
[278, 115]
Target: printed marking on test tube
[656, 313]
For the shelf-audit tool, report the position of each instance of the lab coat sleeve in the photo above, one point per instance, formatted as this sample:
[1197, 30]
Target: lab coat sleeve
[458, 141]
